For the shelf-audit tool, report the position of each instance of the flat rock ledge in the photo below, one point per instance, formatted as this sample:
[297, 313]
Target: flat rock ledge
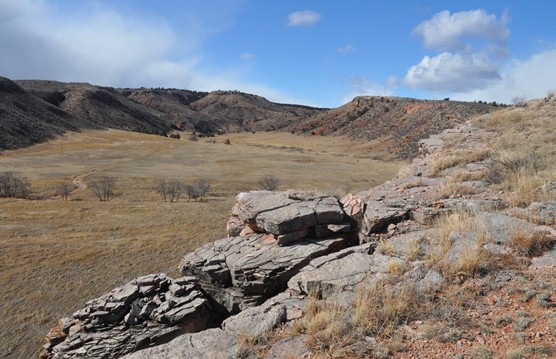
[147, 311]
[287, 216]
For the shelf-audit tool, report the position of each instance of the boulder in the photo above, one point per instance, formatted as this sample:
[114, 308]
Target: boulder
[378, 215]
[240, 272]
[288, 216]
[144, 312]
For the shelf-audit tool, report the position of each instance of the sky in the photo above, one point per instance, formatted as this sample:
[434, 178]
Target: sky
[319, 53]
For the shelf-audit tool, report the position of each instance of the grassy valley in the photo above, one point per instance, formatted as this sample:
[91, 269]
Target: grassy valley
[59, 254]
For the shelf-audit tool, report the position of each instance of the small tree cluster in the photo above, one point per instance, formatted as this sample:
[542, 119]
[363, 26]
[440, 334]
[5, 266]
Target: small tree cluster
[269, 182]
[14, 185]
[103, 188]
[198, 190]
[64, 190]
[170, 190]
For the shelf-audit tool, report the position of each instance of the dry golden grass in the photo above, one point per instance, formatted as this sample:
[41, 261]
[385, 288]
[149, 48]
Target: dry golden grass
[524, 152]
[458, 158]
[473, 260]
[464, 176]
[56, 255]
[531, 244]
[386, 248]
[451, 189]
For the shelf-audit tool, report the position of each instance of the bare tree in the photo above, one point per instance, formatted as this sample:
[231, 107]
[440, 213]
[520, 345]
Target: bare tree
[202, 187]
[14, 185]
[198, 190]
[191, 192]
[170, 190]
[64, 190]
[519, 101]
[103, 188]
[269, 182]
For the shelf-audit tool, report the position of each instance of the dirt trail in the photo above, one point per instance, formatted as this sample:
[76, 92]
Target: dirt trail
[79, 180]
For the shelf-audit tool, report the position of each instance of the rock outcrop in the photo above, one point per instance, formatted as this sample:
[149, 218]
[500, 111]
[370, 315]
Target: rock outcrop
[287, 216]
[286, 247]
[147, 311]
[239, 272]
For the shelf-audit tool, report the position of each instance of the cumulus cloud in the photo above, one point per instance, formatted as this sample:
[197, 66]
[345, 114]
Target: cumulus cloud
[453, 72]
[446, 31]
[99, 45]
[472, 47]
[304, 18]
[532, 78]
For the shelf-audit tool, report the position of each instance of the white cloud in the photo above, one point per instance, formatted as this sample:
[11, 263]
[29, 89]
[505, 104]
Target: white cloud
[532, 78]
[362, 86]
[346, 49]
[445, 31]
[246, 56]
[472, 45]
[453, 72]
[96, 44]
[304, 18]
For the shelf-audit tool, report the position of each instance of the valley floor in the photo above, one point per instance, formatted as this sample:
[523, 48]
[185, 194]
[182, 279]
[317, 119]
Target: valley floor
[58, 254]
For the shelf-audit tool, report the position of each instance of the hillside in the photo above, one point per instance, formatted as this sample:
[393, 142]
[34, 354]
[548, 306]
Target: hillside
[103, 106]
[452, 258]
[395, 124]
[26, 119]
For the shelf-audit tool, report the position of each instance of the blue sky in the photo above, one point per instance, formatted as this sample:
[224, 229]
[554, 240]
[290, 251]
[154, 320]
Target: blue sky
[320, 53]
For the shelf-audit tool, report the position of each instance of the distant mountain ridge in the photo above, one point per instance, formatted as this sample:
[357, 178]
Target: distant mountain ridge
[34, 111]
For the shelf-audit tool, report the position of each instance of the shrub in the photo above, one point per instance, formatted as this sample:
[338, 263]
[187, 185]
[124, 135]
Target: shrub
[103, 188]
[64, 190]
[269, 182]
[519, 101]
[198, 190]
[14, 185]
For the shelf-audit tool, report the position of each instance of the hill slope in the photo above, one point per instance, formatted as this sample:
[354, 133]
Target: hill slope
[393, 125]
[26, 119]
[103, 106]
[221, 111]
[396, 124]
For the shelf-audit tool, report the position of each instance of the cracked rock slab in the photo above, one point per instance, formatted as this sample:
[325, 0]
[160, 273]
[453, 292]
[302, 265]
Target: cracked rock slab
[209, 344]
[240, 272]
[149, 310]
[378, 215]
[340, 271]
[282, 213]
